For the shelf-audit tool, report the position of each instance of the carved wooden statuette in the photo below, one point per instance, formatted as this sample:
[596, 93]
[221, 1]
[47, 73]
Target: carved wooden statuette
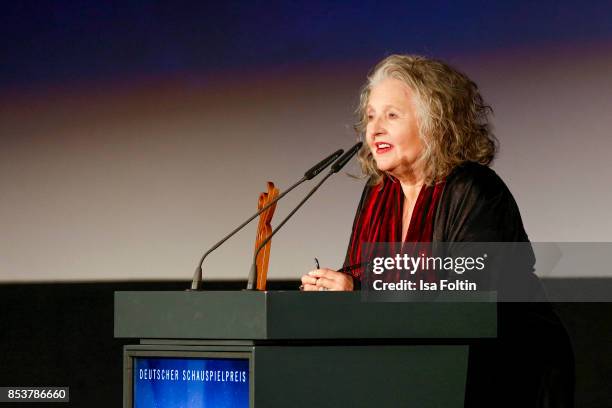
[264, 229]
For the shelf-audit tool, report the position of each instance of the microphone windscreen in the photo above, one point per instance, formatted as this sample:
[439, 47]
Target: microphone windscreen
[319, 167]
[339, 164]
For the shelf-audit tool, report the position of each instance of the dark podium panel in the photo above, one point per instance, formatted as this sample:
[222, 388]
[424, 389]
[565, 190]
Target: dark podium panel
[314, 349]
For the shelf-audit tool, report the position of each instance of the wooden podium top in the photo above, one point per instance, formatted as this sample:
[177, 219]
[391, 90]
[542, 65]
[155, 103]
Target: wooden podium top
[294, 315]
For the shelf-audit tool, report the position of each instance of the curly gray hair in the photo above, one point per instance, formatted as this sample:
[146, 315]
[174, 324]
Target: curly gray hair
[452, 117]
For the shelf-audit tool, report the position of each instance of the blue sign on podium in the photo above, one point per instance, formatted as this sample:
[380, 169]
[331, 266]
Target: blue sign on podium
[164, 382]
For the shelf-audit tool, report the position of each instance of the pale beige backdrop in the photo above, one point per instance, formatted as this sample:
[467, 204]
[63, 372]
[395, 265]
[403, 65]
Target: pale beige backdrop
[134, 180]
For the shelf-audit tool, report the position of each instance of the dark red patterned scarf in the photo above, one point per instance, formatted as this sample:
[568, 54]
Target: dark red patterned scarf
[379, 219]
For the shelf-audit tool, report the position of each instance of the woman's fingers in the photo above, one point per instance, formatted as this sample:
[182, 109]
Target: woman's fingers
[325, 283]
[309, 280]
[318, 273]
[326, 279]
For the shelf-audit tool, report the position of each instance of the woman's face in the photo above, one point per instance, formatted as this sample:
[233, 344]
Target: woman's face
[392, 131]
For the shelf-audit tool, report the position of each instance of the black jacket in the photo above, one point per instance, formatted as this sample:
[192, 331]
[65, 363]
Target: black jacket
[530, 364]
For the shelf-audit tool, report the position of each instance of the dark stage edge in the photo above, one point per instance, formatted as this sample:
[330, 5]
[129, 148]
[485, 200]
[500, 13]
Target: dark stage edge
[61, 334]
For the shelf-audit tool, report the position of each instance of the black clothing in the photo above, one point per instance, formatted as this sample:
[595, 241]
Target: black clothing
[530, 363]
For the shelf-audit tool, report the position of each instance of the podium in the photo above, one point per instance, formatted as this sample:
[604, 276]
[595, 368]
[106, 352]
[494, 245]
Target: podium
[310, 349]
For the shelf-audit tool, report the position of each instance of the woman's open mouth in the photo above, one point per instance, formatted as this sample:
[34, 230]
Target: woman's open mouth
[382, 147]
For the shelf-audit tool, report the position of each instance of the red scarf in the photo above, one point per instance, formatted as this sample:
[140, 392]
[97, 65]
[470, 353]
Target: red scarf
[379, 219]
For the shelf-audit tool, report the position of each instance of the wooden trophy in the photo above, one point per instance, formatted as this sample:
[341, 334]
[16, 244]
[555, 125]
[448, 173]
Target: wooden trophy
[264, 229]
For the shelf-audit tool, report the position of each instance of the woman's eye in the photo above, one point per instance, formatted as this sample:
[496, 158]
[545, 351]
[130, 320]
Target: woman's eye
[370, 117]
[392, 115]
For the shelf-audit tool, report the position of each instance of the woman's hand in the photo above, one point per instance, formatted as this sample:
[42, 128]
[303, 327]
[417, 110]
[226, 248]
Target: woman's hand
[327, 279]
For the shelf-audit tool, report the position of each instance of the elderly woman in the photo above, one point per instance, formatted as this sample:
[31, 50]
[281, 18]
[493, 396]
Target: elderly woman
[428, 145]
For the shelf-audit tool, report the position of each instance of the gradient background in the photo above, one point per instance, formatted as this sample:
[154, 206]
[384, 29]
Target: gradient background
[136, 134]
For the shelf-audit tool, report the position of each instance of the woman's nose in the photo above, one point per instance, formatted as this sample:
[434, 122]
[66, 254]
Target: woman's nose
[376, 126]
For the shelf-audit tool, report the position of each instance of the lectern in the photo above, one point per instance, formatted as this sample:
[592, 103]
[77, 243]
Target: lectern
[295, 349]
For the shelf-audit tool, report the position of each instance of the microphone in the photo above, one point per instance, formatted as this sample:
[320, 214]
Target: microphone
[336, 167]
[341, 162]
[310, 173]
